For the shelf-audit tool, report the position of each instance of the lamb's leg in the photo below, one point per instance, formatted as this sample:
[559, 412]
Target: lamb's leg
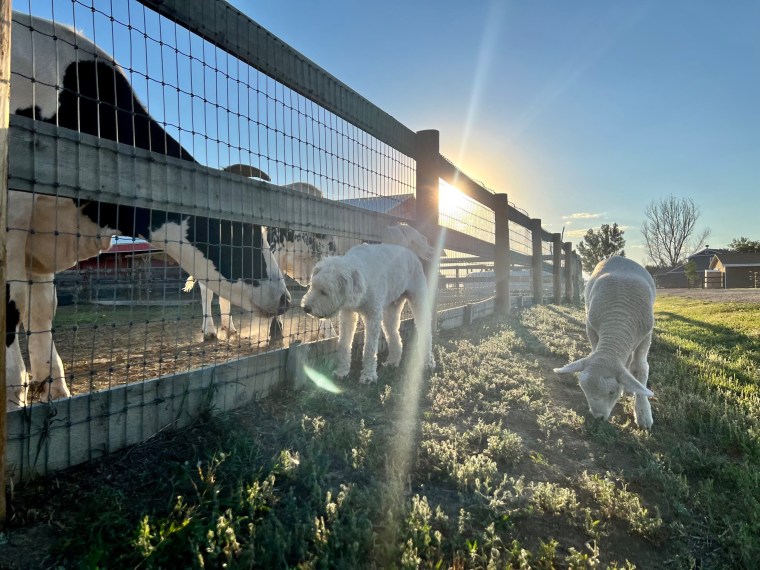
[423, 322]
[593, 337]
[391, 324]
[207, 326]
[369, 354]
[640, 369]
[46, 364]
[347, 326]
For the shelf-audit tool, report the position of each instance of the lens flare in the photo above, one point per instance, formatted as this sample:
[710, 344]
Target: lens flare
[321, 381]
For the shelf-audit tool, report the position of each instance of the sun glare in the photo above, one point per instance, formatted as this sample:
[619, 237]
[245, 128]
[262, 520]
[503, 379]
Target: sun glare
[451, 201]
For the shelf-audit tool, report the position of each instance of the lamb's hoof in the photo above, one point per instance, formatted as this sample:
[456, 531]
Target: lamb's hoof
[342, 372]
[430, 363]
[392, 363]
[645, 422]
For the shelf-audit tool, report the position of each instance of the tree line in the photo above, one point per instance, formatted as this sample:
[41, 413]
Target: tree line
[670, 236]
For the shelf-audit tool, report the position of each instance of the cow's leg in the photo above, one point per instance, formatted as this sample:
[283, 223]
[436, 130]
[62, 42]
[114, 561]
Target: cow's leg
[46, 364]
[326, 329]
[226, 316]
[207, 326]
[16, 377]
[17, 296]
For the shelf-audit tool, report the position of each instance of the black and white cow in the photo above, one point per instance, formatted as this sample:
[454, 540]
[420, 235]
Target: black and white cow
[60, 77]
[296, 253]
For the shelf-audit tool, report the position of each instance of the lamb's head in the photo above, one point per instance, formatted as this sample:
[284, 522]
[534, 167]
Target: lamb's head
[603, 381]
[335, 285]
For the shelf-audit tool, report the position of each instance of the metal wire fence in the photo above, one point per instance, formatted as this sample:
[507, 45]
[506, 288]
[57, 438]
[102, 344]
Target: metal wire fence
[172, 186]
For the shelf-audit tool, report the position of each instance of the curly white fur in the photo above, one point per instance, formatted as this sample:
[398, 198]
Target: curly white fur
[374, 281]
[619, 321]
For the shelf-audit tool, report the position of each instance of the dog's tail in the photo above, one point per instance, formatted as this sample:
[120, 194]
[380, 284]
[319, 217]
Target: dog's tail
[406, 236]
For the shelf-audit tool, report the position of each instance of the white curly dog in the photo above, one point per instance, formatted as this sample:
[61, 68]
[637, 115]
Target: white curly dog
[374, 281]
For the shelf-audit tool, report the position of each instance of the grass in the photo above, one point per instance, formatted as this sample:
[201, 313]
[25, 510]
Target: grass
[506, 469]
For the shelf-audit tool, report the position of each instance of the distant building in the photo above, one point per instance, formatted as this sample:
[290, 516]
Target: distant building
[738, 269]
[401, 206]
[676, 277]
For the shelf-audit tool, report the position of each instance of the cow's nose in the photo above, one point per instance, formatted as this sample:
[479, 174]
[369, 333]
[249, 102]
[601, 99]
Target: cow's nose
[307, 309]
[284, 303]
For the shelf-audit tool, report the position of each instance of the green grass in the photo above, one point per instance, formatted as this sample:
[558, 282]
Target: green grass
[497, 467]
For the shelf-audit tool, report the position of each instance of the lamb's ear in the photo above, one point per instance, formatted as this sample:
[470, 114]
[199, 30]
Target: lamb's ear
[632, 385]
[577, 366]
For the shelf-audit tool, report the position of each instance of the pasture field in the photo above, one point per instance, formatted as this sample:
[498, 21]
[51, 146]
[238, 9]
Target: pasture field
[491, 461]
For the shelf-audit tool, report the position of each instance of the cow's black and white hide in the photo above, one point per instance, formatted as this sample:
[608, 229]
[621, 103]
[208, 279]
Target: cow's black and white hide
[60, 77]
[296, 253]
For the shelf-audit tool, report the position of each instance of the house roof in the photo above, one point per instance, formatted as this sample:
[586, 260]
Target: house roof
[383, 204]
[701, 258]
[729, 259]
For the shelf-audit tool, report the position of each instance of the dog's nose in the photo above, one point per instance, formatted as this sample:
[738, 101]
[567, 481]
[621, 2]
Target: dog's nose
[307, 309]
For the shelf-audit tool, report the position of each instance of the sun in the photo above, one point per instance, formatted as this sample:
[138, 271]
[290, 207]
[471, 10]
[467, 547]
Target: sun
[450, 200]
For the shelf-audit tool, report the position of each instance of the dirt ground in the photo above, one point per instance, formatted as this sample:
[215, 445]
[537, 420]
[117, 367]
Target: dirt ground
[715, 295]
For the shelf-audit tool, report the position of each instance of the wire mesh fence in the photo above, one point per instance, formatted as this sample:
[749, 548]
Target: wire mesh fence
[169, 198]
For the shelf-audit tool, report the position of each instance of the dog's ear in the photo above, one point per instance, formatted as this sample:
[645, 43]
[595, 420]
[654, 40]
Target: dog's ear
[356, 287]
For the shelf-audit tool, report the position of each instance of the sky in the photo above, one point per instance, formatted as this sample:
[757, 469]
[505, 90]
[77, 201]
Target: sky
[583, 112]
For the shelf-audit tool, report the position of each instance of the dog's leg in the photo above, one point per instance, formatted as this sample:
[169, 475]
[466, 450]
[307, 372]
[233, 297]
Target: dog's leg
[369, 356]
[391, 324]
[348, 320]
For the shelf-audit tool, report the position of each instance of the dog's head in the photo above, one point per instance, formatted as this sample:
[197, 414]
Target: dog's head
[335, 284]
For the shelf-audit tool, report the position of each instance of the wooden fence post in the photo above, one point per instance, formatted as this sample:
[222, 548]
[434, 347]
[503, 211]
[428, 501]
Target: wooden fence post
[501, 265]
[5, 95]
[557, 267]
[426, 202]
[578, 283]
[537, 261]
[568, 247]
[427, 157]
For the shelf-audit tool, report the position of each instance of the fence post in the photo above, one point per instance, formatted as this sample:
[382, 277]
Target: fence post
[557, 267]
[426, 202]
[5, 94]
[501, 264]
[537, 262]
[568, 247]
[578, 283]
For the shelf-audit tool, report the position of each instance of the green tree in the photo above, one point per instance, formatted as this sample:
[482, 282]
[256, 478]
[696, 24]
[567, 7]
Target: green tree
[745, 245]
[690, 269]
[600, 244]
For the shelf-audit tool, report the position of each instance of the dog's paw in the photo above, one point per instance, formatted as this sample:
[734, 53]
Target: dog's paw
[368, 377]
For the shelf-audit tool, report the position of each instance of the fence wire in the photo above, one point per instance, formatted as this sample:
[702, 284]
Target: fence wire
[149, 285]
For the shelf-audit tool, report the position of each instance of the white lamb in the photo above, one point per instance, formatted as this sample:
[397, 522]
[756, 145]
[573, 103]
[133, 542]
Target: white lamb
[619, 322]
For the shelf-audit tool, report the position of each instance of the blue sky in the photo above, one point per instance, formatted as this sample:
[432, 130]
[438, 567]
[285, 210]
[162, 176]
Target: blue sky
[584, 112]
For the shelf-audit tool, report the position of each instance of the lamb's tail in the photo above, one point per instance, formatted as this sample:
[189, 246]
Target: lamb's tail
[189, 284]
[406, 236]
